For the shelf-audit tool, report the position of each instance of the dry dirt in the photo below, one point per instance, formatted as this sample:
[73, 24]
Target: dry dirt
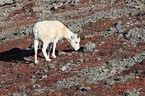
[115, 67]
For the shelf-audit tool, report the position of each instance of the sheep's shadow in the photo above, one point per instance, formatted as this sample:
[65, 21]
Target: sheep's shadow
[15, 54]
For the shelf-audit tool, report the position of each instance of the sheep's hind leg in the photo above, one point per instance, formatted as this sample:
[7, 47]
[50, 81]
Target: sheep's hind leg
[54, 46]
[45, 44]
[36, 49]
[49, 49]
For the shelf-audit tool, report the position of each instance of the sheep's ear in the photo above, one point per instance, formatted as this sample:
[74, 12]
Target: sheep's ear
[79, 38]
[72, 37]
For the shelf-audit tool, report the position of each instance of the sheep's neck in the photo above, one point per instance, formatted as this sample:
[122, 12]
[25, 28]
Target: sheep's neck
[68, 34]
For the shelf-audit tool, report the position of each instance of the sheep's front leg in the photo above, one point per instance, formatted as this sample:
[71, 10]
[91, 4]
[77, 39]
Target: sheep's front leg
[54, 46]
[36, 49]
[44, 51]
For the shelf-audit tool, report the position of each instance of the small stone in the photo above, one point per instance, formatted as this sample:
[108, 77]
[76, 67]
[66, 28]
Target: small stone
[27, 58]
[31, 65]
[22, 87]
[66, 67]
[102, 43]
[116, 78]
[39, 91]
[111, 28]
[118, 25]
[51, 65]
[84, 88]
[33, 80]
[28, 40]
[113, 70]
[71, 61]
[126, 93]
[63, 68]
[60, 53]
[36, 85]
[120, 36]
[96, 50]
[88, 36]
[89, 46]
[99, 58]
[44, 76]
[80, 61]
[45, 70]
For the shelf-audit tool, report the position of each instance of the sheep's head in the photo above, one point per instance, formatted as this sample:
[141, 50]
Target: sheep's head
[75, 41]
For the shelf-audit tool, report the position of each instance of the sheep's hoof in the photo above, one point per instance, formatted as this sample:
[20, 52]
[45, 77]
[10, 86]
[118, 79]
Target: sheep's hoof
[36, 62]
[48, 60]
[54, 56]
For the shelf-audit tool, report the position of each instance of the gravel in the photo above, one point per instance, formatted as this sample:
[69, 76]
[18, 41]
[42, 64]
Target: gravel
[2, 2]
[44, 12]
[101, 73]
[88, 74]
[136, 35]
[132, 92]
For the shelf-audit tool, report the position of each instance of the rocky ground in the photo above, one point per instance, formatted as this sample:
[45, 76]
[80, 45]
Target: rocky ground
[110, 62]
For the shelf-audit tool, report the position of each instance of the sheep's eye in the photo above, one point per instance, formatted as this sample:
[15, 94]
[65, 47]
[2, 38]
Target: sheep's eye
[76, 42]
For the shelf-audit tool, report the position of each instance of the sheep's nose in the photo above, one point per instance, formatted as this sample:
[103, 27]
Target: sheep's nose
[77, 49]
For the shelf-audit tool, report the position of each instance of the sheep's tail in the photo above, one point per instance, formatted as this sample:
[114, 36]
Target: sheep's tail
[35, 33]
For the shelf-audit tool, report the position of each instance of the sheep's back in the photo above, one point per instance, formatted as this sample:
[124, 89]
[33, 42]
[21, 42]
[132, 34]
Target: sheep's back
[49, 30]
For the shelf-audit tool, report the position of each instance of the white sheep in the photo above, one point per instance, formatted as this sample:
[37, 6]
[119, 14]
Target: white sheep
[52, 31]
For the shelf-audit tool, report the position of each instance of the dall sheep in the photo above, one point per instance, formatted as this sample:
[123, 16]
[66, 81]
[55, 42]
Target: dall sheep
[52, 31]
